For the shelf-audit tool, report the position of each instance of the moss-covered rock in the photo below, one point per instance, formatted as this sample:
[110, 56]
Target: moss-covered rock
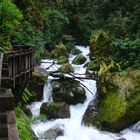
[119, 106]
[55, 110]
[60, 50]
[93, 65]
[79, 59]
[62, 60]
[68, 91]
[79, 95]
[35, 86]
[66, 68]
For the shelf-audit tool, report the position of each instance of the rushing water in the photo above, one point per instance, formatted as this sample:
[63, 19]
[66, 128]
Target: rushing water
[73, 130]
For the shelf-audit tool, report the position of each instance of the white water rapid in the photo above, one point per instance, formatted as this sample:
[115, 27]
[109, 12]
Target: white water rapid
[73, 130]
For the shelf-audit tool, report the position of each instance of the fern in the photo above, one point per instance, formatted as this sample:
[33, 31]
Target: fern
[26, 95]
[23, 125]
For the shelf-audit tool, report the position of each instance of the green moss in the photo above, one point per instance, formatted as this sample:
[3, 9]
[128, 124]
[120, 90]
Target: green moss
[120, 105]
[79, 59]
[112, 108]
[62, 60]
[38, 78]
[66, 68]
[52, 107]
[93, 65]
[60, 50]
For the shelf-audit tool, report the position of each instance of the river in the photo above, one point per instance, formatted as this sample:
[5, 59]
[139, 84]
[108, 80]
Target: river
[72, 127]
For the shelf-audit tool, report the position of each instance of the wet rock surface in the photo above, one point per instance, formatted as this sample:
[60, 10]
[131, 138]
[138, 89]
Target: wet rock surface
[118, 106]
[55, 110]
[79, 59]
[53, 133]
[68, 91]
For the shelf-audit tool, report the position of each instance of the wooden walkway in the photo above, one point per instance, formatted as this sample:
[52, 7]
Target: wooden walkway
[15, 67]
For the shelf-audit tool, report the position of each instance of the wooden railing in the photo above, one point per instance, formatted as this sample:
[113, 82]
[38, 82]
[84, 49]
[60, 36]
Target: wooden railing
[16, 67]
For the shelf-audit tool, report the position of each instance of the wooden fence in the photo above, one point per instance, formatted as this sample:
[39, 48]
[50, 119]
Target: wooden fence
[16, 67]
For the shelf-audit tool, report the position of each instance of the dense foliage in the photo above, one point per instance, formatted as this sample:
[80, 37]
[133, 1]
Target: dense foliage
[51, 27]
[43, 23]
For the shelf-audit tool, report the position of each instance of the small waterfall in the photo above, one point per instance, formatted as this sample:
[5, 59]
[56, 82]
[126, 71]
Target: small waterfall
[73, 129]
[47, 92]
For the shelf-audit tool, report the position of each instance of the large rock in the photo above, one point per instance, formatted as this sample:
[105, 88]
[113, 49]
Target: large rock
[91, 112]
[55, 110]
[53, 133]
[36, 85]
[79, 59]
[119, 105]
[68, 91]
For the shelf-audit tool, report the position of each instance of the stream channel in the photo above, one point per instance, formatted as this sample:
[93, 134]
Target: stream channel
[72, 127]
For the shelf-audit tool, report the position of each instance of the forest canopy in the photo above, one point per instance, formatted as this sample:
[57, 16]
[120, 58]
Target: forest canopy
[42, 24]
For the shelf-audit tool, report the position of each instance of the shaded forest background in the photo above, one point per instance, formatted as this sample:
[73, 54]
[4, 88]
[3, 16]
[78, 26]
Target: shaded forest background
[44, 23]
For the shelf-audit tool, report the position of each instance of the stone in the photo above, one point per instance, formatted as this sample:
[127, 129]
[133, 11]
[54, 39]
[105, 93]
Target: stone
[79, 94]
[55, 110]
[119, 99]
[3, 118]
[13, 132]
[79, 59]
[68, 91]
[36, 85]
[27, 110]
[6, 101]
[53, 133]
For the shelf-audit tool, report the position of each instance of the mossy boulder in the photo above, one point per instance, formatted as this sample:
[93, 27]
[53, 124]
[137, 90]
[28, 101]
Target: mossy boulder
[66, 68]
[79, 95]
[35, 85]
[68, 91]
[60, 50]
[79, 59]
[119, 105]
[62, 60]
[55, 110]
[93, 65]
